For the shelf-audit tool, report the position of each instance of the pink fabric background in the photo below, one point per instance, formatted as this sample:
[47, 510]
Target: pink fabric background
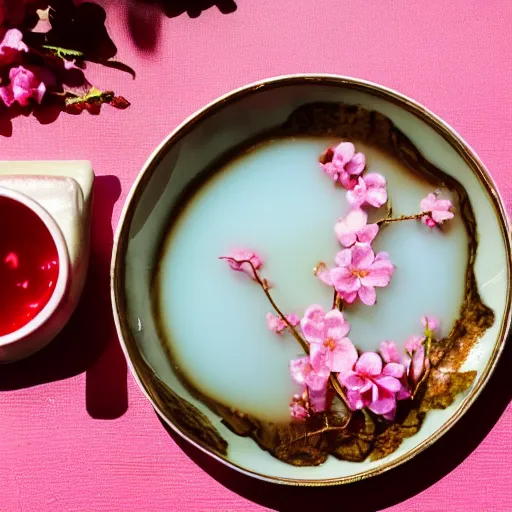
[76, 434]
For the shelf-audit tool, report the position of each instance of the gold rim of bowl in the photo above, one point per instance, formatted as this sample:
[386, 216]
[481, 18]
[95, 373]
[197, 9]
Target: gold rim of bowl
[121, 241]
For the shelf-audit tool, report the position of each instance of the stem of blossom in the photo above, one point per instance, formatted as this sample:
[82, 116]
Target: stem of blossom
[337, 303]
[388, 220]
[389, 208]
[264, 286]
[428, 345]
[333, 377]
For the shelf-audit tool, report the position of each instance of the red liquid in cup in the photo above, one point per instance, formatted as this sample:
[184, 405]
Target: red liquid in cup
[29, 265]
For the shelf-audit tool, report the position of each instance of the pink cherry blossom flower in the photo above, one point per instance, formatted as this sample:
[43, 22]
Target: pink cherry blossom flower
[299, 406]
[326, 334]
[319, 400]
[430, 322]
[390, 355]
[389, 352]
[70, 64]
[343, 164]
[372, 385]
[437, 210]
[239, 261]
[323, 273]
[354, 228]
[358, 272]
[315, 380]
[298, 411]
[278, 325]
[11, 46]
[303, 372]
[370, 189]
[43, 25]
[416, 361]
[24, 86]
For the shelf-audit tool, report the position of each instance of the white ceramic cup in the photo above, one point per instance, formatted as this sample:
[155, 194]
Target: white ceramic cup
[39, 331]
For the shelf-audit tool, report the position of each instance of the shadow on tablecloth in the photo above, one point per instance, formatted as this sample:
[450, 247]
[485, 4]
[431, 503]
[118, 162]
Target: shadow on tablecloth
[390, 488]
[89, 342]
[144, 17]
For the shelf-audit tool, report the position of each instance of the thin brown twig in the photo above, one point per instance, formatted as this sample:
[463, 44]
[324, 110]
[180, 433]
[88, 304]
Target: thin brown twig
[389, 206]
[334, 299]
[333, 379]
[339, 302]
[401, 218]
[264, 286]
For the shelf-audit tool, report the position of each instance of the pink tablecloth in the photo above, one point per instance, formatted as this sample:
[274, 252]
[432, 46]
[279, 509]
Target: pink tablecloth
[75, 431]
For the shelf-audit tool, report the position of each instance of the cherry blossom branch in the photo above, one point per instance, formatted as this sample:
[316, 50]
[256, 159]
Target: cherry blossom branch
[388, 220]
[36, 71]
[263, 283]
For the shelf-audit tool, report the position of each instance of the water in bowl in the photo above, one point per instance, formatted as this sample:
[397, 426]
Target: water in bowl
[275, 200]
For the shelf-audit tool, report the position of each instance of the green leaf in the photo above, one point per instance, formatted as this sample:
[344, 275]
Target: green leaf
[63, 52]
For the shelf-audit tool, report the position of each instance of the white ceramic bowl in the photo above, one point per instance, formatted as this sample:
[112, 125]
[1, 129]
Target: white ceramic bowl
[206, 136]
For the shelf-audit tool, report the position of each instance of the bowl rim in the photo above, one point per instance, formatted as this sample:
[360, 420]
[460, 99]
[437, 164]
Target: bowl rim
[38, 322]
[421, 112]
